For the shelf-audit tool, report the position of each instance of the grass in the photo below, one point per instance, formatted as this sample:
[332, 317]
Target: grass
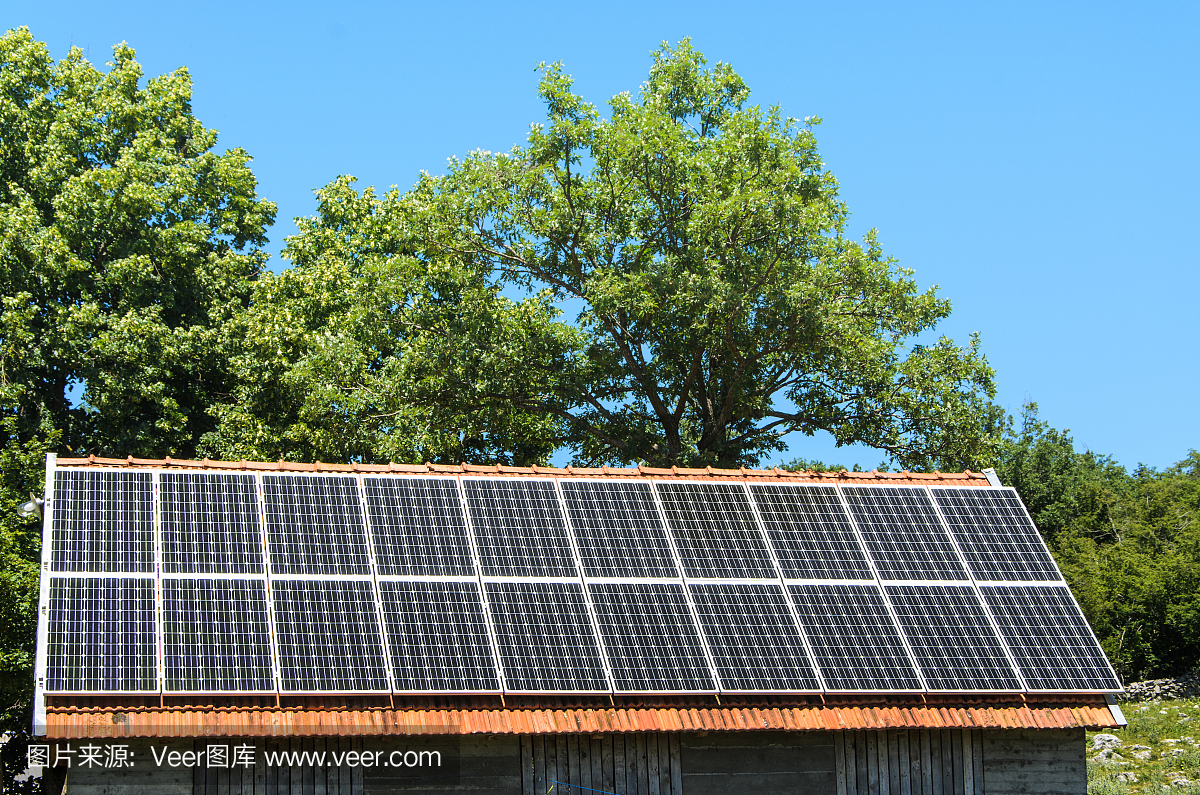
[1170, 734]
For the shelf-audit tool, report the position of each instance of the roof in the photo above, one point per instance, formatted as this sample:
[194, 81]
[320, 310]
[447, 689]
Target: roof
[470, 715]
[189, 716]
[967, 478]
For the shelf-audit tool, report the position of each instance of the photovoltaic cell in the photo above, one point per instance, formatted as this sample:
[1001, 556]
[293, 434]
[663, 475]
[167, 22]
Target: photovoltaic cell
[715, 530]
[519, 528]
[1051, 640]
[753, 638]
[327, 633]
[810, 532]
[209, 523]
[315, 525]
[903, 534]
[216, 636]
[417, 526]
[618, 529]
[545, 637]
[996, 537]
[650, 638]
[102, 521]
[438, 637]
[952, 639]
[102, 635]
[853, 637]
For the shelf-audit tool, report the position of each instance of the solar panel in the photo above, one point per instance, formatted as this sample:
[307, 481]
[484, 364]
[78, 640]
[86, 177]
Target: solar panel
[315, 525]
[216, 636]
[951, 637]
[715, 530]
[903, 533]
[810, 531]
[545, 637]
[1050, 639]
[210, 523]
[853, 637]
[417, 526]
[102, 521]
[618, 529]
[753, 638]
[327, 633]
[438, 637]
[650, 638]
[102, 635]
[519, 528]
[995, 535]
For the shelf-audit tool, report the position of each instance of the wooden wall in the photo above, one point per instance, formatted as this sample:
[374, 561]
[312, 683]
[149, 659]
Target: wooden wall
[918, 762]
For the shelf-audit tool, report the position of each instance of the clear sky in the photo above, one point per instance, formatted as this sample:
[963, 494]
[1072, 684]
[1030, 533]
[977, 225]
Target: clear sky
[1037, 161]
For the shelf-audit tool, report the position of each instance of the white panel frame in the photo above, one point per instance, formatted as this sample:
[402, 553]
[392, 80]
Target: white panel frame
[43, 627]
[262, 576]
[162, 633]
[455, 482]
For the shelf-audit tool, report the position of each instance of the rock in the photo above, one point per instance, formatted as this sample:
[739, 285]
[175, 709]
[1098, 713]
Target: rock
[1109, 757]
[1143, 755]
[1106, 741]
[1178, 751]
[1128, 775]
[1139, 748]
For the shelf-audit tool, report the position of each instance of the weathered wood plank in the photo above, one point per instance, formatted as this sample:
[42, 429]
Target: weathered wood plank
[968, 766]
[562, 773]
[860, 763]
[839, 755]
[676, 771]
[620, 766]
[926, 752]
[935, 761]
[643, 785]
[606, 763]
[904, 759]
[948, 777]
[573, 763]
[881, 749]
[652, 764]
[872, 745]
[597, 758]
[540, 784]
[356, 772]
[526, 764]
[977, 763]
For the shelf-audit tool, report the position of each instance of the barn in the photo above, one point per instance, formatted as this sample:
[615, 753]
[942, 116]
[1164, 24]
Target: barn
[251, 627]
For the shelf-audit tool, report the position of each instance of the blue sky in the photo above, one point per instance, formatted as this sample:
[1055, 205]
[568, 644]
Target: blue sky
[1039, 161]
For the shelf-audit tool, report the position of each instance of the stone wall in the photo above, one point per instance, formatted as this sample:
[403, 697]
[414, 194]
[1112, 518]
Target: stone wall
[1185, 686]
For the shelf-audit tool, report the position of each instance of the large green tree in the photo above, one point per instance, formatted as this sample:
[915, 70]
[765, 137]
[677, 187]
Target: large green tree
[711, 302]
[126, 242]
[720, 305]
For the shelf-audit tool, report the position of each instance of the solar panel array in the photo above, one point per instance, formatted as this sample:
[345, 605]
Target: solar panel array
[201, 582]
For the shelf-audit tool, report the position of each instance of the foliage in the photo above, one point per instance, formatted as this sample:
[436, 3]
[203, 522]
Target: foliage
[812, 465]
[1128, 543]
[720, 306]
[125, 241]
[346, 355]
[1158, 748]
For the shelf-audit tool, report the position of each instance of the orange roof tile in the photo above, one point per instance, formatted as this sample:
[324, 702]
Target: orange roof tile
[74, 722]
[967, 478]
